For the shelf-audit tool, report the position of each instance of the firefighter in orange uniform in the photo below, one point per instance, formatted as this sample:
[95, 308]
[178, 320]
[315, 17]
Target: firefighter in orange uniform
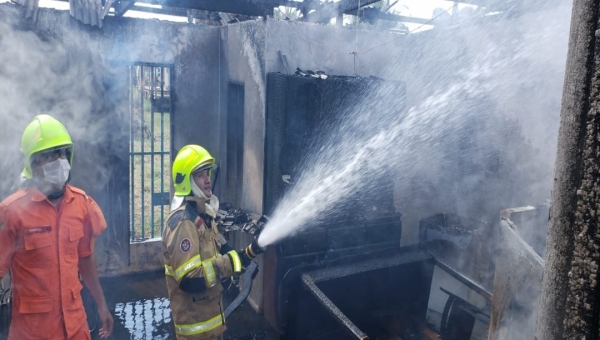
[47, 232]
[196, 255]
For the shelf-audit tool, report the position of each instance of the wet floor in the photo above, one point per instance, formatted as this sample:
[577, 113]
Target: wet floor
[141, 311]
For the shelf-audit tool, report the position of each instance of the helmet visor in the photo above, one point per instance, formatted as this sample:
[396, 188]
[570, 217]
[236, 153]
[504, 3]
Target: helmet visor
[206, 167]
[50, 155]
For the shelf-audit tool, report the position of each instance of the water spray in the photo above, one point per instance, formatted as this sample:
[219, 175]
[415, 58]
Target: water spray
[357, 152]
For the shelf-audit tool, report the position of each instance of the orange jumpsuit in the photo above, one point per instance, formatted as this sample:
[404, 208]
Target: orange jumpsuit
[41, 245]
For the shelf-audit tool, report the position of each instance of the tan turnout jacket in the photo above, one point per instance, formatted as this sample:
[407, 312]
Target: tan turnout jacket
[192, 249]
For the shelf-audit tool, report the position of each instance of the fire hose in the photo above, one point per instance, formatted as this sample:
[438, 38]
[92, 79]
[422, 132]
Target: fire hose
[230, 219]
[246, 280]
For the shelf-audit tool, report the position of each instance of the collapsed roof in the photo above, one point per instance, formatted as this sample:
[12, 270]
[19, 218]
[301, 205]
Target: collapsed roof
[93, 12]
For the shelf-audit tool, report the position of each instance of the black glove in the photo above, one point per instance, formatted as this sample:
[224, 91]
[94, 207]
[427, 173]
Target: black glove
[245, 259]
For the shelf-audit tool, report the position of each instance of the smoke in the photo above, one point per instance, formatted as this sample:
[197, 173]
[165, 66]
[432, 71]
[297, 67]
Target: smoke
[479, 135]
[67, 79]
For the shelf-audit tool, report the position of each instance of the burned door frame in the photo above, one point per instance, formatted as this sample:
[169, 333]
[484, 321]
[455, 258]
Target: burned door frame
[162, 105]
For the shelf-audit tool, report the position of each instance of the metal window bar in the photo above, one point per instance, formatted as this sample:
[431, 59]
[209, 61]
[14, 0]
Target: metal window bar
[149, 190]
[162, 145]
[133, 82]
[143, 162]
[152, 76]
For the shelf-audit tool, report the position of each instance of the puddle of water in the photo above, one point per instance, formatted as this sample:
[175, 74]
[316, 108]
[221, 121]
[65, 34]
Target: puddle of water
[141, 311]
[145, 319]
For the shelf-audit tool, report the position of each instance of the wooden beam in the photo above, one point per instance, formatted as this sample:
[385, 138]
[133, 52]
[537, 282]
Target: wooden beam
[246, 7]
[375, 14]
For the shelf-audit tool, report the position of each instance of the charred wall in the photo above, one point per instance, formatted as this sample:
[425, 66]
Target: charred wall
[243, 56]
[488, 170]
[80, 75]
[243, 64]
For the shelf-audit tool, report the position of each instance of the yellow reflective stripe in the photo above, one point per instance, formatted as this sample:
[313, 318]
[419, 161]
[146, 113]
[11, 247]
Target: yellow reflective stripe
[169, 271]
[188, 266]
[209, 272]
[200, 327]
[237, 263]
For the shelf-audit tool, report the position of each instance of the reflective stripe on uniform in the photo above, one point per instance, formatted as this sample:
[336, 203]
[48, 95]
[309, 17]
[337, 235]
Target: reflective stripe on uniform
[169, 271]
[200, 327]
[185, 268]
[209, 272]
[237, 263]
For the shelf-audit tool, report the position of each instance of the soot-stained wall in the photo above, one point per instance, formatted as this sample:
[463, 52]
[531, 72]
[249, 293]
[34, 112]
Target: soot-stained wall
[499, 80]
[79, 74]
[243, 63]
[502, 79]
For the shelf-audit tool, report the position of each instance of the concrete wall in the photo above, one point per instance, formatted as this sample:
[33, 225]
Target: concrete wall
[435, 60]
[243, 62]
[243, 58]
[428, 62]
[304, 47]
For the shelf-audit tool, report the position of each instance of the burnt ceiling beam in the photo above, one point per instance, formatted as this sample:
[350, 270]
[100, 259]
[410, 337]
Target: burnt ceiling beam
[165, 10]
[349, 6]
[372, 14]
[246, 7]
[329, 10]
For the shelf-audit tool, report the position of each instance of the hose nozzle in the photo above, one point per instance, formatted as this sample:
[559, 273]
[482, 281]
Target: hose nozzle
[254, 249]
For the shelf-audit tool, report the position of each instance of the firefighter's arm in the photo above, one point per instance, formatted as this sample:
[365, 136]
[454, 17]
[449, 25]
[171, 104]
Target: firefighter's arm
[94, 225]
[7, 241]
[228, 263]
[244, 255]
[89, 274]
[237, 260]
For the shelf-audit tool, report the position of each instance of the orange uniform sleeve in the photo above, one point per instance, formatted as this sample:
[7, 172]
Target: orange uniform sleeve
[94, 225]
[7, 241]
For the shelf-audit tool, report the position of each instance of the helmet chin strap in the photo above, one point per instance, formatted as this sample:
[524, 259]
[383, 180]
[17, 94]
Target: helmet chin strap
[198, 192]
[212, 203]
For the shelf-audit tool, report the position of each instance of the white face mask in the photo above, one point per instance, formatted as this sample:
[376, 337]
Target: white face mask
[56, 172]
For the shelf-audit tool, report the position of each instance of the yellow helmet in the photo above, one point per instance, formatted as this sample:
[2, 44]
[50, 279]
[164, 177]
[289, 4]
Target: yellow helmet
[189, 159]
[43, 133]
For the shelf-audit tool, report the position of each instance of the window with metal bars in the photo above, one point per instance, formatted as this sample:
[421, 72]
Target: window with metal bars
[150, 145]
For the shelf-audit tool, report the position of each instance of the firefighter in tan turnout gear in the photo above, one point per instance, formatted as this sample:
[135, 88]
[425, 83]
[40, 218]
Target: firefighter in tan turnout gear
[196, 255]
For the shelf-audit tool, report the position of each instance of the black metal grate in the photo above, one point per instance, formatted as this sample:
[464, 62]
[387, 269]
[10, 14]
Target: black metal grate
[150, 145]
